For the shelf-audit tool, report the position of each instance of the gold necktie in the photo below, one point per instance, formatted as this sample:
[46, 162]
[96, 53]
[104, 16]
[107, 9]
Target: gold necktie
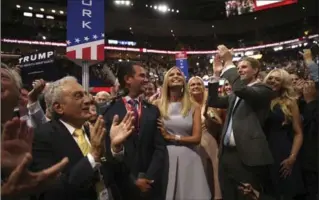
[85, 148]
[82, 142]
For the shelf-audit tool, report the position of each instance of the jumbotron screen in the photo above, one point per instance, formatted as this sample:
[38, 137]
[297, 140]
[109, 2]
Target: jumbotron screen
[239, 7]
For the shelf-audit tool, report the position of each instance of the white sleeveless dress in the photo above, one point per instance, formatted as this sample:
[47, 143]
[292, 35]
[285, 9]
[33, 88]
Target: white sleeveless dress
[186, 177]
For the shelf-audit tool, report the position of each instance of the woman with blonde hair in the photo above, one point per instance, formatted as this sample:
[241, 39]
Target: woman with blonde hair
[181, 127]
[211, 118]
[284, 135]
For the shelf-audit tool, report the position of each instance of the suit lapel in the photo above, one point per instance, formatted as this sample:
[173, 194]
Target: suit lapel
[66, 142]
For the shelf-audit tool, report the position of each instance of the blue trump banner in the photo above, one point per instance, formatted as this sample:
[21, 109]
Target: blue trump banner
[181, 62]
[85, 30]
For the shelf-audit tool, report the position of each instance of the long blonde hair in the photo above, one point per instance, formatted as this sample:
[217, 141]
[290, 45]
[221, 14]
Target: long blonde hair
[164, 100]
[203, 87]
[287, 93]
[214, 110]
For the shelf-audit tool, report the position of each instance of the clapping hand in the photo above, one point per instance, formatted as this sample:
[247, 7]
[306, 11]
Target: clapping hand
[22, 182]
[97, 134]
[16, 147]
[120, 131]
[16, 142]
[225, 54]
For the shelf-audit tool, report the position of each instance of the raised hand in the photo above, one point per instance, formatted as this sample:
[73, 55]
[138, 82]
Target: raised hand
[97, 136]
[16, 142]
[22, 182]
[38, 87]
[224, 53]
[217, 65]
[120, 131]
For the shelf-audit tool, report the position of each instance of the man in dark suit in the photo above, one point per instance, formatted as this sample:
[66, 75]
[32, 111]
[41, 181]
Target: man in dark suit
[66, 136]
[140, 174]
[244, 151]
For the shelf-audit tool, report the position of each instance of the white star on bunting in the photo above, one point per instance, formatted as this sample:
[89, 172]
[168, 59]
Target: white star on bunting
[102, 34]
[68, 42]
[86, 38]
[95, 37]
[77, 40]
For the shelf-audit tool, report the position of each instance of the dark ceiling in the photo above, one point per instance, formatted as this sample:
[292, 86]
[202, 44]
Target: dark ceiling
[189, 9]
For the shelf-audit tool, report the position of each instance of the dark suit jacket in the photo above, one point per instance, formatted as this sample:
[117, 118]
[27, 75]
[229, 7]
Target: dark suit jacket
[249, 115]
[52, 142]
[144, 152]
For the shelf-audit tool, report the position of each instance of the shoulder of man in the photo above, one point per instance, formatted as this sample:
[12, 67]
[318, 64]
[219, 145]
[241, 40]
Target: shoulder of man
[46, 129]
[148, 104]
[105, 108]
[263, 86]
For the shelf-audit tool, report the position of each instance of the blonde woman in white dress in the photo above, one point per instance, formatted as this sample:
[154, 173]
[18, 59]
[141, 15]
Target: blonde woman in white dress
[208, 143]
[181, 127]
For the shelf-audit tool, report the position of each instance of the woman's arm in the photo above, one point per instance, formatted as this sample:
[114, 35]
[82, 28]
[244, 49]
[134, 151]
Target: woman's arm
[298, 136]
[197, 130]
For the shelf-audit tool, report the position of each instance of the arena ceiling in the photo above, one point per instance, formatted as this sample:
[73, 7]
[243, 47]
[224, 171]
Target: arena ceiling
[196, 17]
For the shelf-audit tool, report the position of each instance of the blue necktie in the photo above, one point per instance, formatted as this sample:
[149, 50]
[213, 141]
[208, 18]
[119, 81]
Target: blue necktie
[134, 104]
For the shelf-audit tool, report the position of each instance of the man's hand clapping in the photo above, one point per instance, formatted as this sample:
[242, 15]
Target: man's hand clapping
[224, 53]
[120, 131]
[97, 134]
[16, 142]
[16, 146]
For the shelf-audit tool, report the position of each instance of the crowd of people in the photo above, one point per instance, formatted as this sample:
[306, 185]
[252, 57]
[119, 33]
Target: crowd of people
[243, 133]
[239, 7]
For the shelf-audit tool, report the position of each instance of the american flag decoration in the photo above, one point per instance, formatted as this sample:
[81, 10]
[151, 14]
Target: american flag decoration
[86, 47]
[85, 30]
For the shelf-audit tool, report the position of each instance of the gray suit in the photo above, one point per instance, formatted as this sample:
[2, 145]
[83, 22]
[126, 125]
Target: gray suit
[244, 162]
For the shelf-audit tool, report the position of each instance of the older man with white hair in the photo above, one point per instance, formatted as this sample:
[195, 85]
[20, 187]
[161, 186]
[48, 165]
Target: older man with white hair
[66, 136]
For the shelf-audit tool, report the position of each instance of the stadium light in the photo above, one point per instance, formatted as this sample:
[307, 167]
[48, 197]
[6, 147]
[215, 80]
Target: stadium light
[53, 11]
[18, 6]
[123, 3]
[163, 8]
[50, 17]
[61, 12]
[42, 9]
[30, 8]
[27, 14]
[39, 16]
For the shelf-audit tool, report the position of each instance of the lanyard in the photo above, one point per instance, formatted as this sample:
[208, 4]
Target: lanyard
[129, 107]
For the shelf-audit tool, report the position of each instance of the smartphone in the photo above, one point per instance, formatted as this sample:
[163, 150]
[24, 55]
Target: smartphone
[221, 82]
